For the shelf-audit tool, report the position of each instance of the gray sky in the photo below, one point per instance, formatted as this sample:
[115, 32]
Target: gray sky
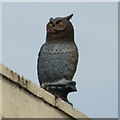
[95, 24]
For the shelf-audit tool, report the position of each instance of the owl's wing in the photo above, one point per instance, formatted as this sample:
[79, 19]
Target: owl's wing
[39, 62]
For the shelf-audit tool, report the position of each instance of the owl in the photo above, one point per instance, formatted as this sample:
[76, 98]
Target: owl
[58, 58]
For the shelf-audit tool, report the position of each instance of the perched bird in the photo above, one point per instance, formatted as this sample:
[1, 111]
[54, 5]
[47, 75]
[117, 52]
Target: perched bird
[58, 57]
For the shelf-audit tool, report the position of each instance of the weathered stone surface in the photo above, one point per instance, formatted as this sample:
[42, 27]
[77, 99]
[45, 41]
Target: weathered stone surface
[23, 99]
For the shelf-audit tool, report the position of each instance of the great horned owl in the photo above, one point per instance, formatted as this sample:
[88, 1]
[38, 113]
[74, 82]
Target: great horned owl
[58, 56]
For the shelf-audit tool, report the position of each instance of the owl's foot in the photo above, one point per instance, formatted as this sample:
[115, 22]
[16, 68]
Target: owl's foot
[61, 88]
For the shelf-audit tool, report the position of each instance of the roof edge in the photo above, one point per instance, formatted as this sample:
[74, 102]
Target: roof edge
[40, 93]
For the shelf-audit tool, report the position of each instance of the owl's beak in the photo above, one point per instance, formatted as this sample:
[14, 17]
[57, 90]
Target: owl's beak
[53, 30]
[69, 17]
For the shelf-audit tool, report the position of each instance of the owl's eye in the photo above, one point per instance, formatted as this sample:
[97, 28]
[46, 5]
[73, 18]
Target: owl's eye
[50, 25]
[60, 24]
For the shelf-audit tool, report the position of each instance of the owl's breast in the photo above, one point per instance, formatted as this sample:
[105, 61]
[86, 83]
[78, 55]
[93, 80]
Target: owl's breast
[57, 61]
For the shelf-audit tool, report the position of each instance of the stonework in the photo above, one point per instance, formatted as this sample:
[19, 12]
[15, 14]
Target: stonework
[21, 98]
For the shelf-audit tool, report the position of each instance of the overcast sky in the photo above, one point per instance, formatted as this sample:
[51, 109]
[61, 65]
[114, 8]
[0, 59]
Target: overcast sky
[95, 25]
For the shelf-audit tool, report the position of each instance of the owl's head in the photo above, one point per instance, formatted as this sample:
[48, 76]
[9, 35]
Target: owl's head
[60, 28]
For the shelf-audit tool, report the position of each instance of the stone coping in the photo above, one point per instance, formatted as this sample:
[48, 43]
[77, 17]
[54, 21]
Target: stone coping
[40, 93]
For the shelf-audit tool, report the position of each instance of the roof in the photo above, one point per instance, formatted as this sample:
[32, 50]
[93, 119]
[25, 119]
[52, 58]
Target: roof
[40, 93]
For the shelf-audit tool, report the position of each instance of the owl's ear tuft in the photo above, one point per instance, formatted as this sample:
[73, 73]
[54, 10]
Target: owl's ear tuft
[51, 19]
[69, 17]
